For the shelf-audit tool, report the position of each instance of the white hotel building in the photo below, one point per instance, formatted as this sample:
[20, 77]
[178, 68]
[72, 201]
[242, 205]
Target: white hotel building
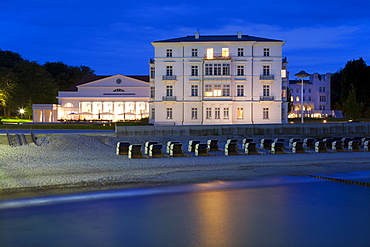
[228, 79]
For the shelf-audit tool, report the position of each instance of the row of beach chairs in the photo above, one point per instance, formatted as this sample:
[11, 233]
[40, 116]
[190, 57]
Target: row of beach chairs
[154, 149]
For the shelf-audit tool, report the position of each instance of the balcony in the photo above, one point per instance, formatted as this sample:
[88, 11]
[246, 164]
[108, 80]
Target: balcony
[267, 98]
[169, 98]
[169, 78]
[267, 77]
[217, 56]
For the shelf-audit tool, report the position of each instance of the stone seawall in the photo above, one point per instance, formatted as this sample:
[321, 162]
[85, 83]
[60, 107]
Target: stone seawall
[266, 130]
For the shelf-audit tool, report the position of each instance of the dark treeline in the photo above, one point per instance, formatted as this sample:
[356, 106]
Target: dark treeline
[350, 89]
[23, 83]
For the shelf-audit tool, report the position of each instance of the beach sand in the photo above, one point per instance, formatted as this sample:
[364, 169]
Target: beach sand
[79, 163]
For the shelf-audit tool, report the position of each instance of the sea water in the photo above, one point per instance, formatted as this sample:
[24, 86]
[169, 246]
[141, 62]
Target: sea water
[287, 211]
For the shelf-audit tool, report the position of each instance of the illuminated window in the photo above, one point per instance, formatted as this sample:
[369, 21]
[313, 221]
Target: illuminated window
[240, 52]
[240, 112]
[266, 52]
[217, 90]
[240, 70]
[283, 73]
[209, 53]
[194, 52]
[194, 90]
[169, 113]
[226, 112]
[297, 98]
[194, 113]
[225, 52]
[68, 105]
[194, 70]
[208, 113]
[169, 53]
[265, 113]
[217, 113]
[208, 90]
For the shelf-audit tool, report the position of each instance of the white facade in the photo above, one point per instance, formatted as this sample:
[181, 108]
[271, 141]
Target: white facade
[316, 96]
[114, 98]
[206, 80]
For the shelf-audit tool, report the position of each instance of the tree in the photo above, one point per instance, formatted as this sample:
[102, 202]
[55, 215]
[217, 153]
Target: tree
[7, 89]
[64, 75]
[351, 107]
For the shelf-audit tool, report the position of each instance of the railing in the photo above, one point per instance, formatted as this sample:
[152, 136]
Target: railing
[169, 98]
[267, 77]
[267, 98]
[169, 77]
[217, 56]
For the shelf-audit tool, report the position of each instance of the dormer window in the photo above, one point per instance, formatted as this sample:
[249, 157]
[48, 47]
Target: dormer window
[118, 90]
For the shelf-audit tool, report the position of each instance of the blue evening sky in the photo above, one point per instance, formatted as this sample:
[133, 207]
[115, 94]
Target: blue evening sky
[113, 36]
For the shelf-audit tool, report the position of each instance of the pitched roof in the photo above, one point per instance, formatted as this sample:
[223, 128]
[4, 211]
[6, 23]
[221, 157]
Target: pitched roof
[91, 78]
[213, 38]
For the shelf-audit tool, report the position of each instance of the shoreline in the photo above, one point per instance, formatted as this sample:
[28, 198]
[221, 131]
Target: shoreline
[69, 164]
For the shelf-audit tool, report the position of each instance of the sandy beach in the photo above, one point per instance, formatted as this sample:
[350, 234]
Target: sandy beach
[79, 163]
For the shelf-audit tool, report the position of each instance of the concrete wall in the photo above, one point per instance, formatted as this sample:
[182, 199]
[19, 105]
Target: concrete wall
[272, 130]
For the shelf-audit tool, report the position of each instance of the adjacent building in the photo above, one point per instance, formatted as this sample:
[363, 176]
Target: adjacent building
[316, 97]
[114, 98]
[227, 79]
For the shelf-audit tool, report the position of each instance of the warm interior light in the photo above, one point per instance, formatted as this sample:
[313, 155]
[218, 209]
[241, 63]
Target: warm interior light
[209, 53]
[225, 52]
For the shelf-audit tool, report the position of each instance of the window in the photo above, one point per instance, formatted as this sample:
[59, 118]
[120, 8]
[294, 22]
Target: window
[226, 112]
[217, 90]
[169, 113]
[68, 105]
[322, 98]
[194, 90]
[266, 69]
[208, 69]
[309, 90]
[217, 69]
[266, 52]
[208, 113]
[169, 91]
[297, 90]
[226, 69]
[194, 70]
[309, 98]
[226, 90]
[240, 52]
[323, 107]
[153, 113]
[304, 90]
[208, 90]
[152, 72]
[240, 112]
[169, 70]
[217, 113]
[225, 52]
[323, 89]
[194, 52]
[240, 70]
[240, 90]
[194, 113]
[209, 53]
[266, 90]
[169, 53]
[152, 92]
[265, 113]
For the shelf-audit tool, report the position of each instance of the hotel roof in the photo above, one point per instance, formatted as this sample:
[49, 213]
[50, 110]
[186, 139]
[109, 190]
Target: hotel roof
[215, 38]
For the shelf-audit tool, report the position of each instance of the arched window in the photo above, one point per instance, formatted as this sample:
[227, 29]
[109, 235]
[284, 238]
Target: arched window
[118, 90]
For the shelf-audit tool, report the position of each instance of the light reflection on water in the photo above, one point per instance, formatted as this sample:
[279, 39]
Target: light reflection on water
[294, 212]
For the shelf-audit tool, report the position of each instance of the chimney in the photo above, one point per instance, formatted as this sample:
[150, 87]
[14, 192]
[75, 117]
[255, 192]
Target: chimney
[196, 35]
[239, 35]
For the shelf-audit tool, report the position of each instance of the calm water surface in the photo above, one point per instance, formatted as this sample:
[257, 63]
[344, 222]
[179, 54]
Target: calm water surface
[297, 211]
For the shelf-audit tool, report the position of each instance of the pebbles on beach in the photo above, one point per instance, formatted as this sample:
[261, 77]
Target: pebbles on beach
[70, 160]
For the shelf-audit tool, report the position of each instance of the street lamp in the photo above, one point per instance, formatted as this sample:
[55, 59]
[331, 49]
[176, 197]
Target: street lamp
[21, 111]
[302, 74]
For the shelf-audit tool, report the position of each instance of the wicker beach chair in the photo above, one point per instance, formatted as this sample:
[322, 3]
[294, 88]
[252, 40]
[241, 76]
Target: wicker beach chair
[320, 147]
[354, 146]
[191, 145]
[292, 140]
[134, 151]
[250, 148]
[231, 148]
[337, 146]
[201, 149]
[309, 143]
[155, 151]
[278, 148]
[122, 148]
[266, 144]
[168, 146]
[246, 140]
[147, 146]
[366, 146]
[213, 145]
[176, 150]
